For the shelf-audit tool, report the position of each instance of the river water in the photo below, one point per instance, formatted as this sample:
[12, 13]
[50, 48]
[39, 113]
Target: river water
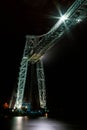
[41, 123]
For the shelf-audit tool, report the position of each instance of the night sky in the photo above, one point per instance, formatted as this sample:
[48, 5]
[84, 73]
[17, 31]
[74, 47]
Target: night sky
[64, 64]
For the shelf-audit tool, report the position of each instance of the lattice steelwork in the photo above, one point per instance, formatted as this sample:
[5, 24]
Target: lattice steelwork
[28, 50]
[36, 46]
[22, 77]
[41, 84]
[74, 15]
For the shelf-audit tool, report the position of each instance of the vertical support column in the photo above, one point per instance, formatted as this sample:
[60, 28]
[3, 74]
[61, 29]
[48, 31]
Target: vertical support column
[41, 84]
[21, 83]
[22, 78]
[23, 73]
[28, 51]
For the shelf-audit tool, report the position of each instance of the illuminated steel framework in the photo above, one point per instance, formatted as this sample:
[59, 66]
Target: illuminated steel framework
[36, 46]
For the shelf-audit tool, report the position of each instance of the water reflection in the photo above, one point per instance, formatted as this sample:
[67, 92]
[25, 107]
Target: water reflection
[24, 123]
[17, 123]
[43, 123]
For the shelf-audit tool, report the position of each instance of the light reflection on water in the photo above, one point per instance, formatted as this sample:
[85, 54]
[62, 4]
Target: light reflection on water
[17, 123]
[24, 123]
[42, 123]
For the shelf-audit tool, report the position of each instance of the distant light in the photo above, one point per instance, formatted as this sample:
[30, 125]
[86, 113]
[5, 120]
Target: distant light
[12, 110]
[78, 20]
[19, 107]
[26, 107]
[46, 115]
[6, 105]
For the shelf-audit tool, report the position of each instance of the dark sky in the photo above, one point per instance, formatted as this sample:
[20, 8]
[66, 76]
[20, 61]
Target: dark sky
[65, 63]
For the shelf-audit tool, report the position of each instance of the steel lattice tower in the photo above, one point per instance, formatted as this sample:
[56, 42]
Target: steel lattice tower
[36, 46]
[28, 50]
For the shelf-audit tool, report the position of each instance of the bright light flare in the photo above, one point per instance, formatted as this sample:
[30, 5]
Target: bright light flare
[63, 18]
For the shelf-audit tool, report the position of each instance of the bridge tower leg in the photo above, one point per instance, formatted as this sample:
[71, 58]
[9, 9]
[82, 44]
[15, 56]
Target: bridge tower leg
[29, 46]
[41, 84]
[22, 77]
